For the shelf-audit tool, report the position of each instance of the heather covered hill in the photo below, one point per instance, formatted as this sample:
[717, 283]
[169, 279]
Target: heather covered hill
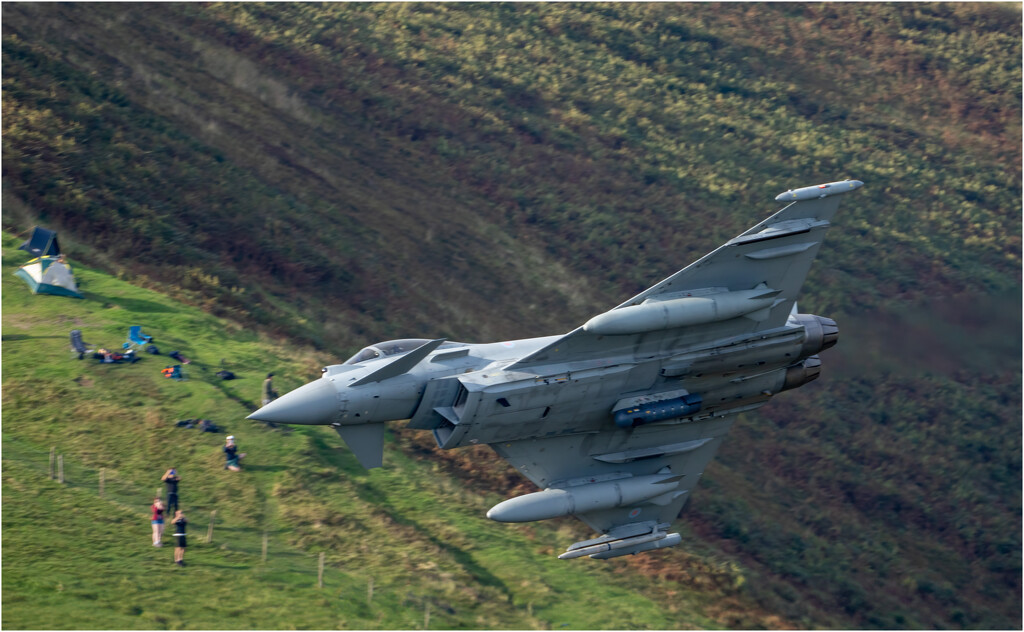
[274, 148]
[339, 173]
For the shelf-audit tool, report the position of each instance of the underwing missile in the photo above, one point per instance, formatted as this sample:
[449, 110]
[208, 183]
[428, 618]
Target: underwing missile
[624, 546]
[671, 539]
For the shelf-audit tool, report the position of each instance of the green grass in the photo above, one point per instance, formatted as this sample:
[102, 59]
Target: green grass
[78, 561]
[75, 559]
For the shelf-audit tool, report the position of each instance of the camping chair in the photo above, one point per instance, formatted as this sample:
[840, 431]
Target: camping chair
[78, 345]
[136, 337]
[174, 372]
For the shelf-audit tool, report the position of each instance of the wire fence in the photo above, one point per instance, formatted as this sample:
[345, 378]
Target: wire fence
[268, 545]
[71, 472]
[205, 526]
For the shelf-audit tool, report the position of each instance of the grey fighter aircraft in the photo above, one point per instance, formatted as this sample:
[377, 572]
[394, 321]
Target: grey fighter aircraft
[616, 420]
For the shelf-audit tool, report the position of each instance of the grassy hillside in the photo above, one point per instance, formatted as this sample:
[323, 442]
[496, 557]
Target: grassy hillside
[74, 559]
[332, 174]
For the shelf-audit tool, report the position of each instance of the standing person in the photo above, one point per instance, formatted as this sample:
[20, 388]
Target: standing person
[172, 479]
[232, 455]
[179, 533]
[157, 521]
[269, 394]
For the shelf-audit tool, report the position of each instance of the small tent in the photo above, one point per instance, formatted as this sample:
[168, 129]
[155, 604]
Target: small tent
[48, 273]
[42, 243]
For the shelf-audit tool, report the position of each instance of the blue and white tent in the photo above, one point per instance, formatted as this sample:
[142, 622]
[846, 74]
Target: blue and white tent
[48, 273]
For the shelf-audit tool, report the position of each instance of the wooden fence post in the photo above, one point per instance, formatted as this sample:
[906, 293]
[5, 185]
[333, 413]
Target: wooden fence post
[209, 531]
[320, 572]
[369, 592]
[60, 468]
[53, 460]
[426, 617]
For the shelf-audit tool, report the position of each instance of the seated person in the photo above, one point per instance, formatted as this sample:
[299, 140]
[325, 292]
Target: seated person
[103, 355]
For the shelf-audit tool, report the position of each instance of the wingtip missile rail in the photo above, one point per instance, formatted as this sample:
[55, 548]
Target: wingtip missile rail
[819, 191]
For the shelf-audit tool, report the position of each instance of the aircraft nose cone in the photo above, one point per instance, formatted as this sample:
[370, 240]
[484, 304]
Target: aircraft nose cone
[313, 403]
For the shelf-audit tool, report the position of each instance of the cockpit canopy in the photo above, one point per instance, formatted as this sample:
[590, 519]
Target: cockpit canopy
[393, 347]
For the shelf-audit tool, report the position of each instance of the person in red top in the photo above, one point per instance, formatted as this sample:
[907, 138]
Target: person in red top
[157, 521]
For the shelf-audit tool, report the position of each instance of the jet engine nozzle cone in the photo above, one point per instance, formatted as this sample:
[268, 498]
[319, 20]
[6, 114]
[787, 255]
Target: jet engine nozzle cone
[830, 332]
[313, 403]
[802, 372]
[820, 333]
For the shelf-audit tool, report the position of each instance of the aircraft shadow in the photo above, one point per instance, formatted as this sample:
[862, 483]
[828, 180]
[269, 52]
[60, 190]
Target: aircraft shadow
[131, 304]
[16, 337]
[265, 468]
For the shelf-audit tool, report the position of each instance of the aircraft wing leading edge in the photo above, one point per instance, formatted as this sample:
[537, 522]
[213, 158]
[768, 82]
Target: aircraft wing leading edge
[775, 255]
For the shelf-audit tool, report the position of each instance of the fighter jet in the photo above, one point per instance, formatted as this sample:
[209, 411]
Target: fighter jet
[616, 420]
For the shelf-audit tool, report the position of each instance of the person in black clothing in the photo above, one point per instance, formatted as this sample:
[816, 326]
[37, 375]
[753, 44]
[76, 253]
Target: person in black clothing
[172, 479]
[179, 534]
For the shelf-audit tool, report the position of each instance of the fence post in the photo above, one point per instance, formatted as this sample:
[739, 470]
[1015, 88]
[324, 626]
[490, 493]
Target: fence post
[53, 460]
[209, 531]
[60, 468]
[369, 592]
[426, 617]
[102, 476]
[264, 546]
[320, 572]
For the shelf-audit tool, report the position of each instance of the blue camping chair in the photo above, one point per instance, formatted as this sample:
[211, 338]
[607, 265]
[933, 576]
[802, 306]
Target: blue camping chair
[136, 337]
